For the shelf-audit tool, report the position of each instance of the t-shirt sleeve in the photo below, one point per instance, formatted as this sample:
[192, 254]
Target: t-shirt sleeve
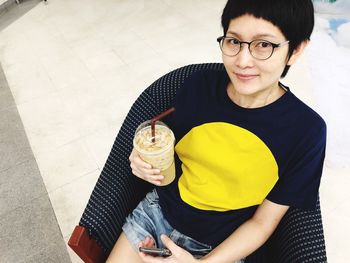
[299, 184]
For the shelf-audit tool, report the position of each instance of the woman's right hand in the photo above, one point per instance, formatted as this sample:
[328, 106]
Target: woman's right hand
[144, 170]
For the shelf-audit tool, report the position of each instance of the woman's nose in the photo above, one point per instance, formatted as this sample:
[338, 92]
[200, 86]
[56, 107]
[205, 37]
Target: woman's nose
[244, 58]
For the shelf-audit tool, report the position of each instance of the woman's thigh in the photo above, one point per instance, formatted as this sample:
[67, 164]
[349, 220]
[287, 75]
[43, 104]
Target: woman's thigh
[123, 252]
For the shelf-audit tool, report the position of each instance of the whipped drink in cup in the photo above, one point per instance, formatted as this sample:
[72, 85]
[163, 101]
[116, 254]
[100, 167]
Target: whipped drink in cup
[157, 150]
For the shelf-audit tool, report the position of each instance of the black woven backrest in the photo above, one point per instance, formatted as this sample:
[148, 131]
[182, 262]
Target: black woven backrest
[117, 191]
[299, 238]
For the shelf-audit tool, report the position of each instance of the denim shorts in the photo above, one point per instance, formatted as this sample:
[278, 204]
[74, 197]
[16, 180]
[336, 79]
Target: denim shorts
[147, 220]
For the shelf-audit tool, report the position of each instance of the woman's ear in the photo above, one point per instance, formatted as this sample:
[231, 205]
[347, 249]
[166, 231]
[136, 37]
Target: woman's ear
[297, 52]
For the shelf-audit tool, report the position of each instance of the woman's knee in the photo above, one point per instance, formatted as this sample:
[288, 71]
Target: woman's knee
[123, 251]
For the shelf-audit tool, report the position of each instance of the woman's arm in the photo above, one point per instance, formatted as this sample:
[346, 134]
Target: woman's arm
[244, 241]
[250, 235]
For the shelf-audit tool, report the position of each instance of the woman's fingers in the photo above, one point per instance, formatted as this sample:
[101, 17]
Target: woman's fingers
[144, 170]
[136, 161]
[140, 163]
[148, 177]
[147, 242]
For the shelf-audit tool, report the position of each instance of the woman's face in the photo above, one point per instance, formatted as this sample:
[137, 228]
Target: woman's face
[252, 77]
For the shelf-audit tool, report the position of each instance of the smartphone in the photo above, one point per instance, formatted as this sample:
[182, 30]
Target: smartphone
[157, 252]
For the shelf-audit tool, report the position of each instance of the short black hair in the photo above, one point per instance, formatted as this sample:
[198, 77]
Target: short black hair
[295, 18]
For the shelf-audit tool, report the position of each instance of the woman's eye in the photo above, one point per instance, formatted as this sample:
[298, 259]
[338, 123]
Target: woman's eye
[234, 41]
[263, 44]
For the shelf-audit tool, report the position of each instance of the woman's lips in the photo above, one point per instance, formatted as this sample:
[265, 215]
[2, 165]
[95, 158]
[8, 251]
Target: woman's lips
[245, 76]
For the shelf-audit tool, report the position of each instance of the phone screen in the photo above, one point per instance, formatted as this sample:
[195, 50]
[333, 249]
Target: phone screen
[160, 252]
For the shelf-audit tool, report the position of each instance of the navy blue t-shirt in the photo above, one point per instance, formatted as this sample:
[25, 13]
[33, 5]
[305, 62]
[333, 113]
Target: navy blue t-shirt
[229, 159]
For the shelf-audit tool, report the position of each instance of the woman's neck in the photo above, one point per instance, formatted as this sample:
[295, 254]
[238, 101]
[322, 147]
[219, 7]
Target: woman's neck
[257, 100]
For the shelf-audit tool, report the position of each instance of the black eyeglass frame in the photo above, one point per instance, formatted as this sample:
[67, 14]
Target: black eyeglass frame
[274, 46]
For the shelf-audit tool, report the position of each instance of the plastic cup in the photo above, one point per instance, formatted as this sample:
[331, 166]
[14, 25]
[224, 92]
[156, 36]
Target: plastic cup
[158, 150]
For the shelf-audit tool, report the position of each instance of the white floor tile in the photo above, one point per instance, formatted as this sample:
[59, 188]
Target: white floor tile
[134, 51]
[65, 164]
[69, 201]
[334, 190]
[89, 47]
[66, 70]
[98, 105]
[103, 62]
[337, 231]
[150, 69]
[191, 53]
[99, 144]
[28, 81]
[16, 50]
[47, 122]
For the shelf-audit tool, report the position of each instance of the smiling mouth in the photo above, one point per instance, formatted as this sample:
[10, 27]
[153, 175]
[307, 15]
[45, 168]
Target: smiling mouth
[245, 76]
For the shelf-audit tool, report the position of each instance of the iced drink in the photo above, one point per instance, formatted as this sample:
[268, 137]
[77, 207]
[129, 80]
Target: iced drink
[157, 150]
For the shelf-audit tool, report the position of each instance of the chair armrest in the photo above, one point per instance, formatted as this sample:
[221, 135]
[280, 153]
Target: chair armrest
[86, 247]
[299, 238]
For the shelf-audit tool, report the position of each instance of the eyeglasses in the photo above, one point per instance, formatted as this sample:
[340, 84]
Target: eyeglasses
[259, 49]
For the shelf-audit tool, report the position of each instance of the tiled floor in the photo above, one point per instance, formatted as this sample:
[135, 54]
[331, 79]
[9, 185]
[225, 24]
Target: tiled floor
[29, 231]
[75, 67]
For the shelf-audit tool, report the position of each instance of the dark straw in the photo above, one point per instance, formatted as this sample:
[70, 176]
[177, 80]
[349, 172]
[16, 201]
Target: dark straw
[157, 118]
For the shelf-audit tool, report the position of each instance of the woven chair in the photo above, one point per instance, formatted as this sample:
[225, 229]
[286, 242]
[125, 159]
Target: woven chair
[298, 238]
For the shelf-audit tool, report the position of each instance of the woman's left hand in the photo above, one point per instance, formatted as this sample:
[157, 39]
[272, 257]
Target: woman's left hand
[179, 255]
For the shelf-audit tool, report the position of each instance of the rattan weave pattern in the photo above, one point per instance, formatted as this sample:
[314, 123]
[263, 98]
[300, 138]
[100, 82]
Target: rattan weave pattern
[299, 237]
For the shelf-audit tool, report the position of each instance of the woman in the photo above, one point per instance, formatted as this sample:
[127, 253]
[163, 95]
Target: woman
[247, 148]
